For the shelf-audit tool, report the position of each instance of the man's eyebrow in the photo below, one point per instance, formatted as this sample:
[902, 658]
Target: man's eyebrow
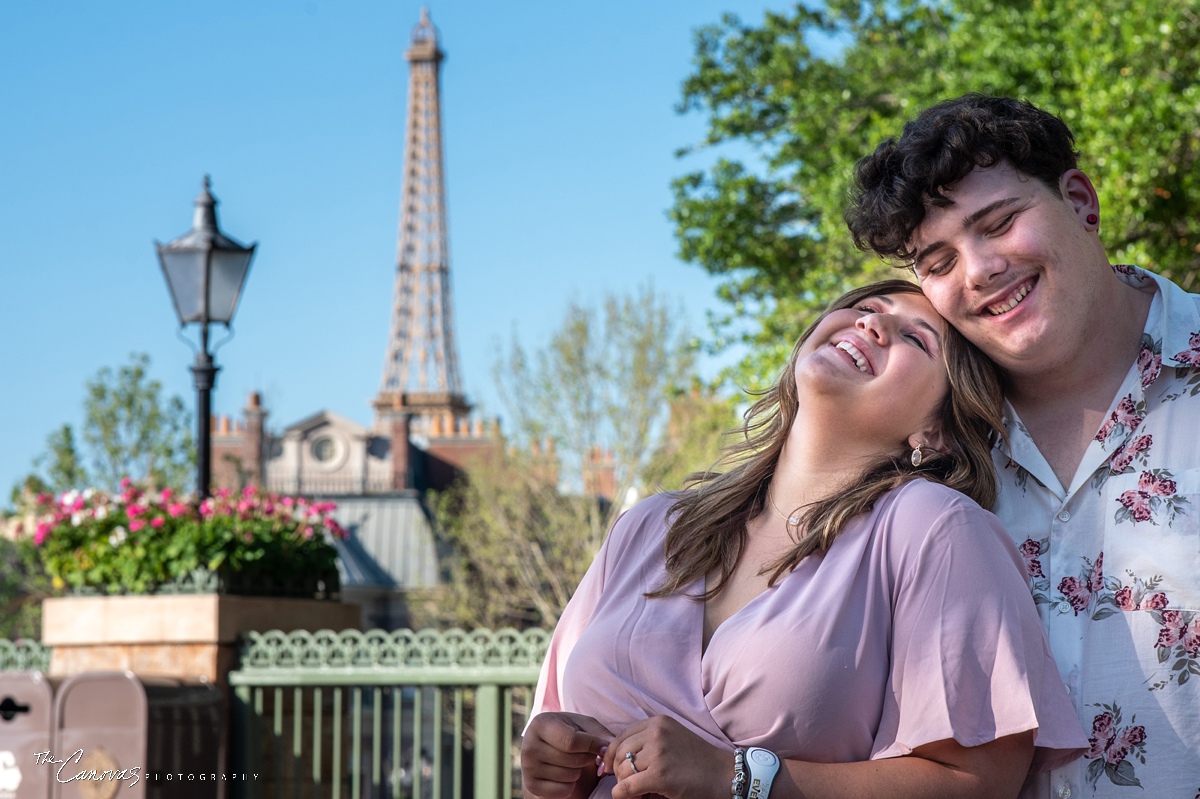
[966, 223]
[987, 209]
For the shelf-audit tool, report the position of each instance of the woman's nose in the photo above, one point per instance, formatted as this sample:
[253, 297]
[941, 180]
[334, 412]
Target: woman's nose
[876, 325]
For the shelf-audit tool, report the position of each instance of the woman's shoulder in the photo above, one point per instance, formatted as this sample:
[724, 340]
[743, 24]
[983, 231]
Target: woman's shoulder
[644, 518]
[926, 496]
[922, 508]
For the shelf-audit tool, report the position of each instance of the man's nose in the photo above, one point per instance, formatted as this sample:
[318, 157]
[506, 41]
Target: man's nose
[982, 265]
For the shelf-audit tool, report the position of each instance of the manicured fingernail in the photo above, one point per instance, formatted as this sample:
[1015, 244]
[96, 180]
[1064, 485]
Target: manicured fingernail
[600, 770]
[599, 760]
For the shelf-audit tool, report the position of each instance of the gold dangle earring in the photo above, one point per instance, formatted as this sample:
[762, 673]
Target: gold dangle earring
[916, 456]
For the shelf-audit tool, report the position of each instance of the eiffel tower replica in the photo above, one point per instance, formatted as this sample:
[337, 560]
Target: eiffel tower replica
[421, 384]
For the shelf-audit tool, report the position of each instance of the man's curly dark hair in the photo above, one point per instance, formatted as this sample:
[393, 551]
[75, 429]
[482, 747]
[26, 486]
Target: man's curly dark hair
[939, 148]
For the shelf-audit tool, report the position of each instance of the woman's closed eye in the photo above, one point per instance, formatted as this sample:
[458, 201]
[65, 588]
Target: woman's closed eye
[920, 342]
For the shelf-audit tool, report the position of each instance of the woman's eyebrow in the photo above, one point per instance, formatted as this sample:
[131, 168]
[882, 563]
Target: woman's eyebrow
[937, 337]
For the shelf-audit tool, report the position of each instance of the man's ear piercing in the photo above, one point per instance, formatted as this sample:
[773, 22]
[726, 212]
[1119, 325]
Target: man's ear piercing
[1092, 219]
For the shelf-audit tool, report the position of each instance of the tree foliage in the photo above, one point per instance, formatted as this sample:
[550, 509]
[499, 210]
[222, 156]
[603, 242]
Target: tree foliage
[130, 429]
[597, 396]
[809, 91]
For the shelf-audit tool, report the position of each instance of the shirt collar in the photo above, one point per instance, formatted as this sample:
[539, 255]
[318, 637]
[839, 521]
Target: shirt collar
[1174, 317]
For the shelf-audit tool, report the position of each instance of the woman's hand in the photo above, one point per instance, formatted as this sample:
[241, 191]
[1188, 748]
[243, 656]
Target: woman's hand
[559, 754]
[668, 760]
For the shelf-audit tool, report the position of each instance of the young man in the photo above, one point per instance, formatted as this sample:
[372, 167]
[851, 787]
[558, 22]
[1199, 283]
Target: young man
[1100, 479]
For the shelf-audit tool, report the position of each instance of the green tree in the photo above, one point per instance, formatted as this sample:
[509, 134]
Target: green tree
[809, 91]
[130, 430]
[596, 397]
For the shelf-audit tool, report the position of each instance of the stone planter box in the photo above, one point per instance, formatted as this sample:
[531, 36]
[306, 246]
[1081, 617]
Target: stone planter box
[190, 636]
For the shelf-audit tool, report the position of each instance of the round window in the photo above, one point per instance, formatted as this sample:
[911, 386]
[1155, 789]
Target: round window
[324, 450]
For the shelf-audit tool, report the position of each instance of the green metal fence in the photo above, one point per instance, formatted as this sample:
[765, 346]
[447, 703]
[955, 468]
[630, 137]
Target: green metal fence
[23, 655]
[375, 714]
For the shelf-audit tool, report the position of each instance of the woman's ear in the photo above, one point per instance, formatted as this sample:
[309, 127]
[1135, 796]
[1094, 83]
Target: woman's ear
[930, 440]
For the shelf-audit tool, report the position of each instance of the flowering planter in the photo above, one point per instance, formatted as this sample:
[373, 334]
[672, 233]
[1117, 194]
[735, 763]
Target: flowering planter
[185, 636]
[163, 585]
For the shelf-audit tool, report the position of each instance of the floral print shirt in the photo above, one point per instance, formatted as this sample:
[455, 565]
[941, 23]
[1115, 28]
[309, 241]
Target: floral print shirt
[1114, 564]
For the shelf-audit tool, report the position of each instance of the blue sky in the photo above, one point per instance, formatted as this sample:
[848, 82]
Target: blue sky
[560, 131]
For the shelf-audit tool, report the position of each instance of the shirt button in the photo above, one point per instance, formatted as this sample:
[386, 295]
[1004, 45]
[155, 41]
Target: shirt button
[1064, 516]
[1064, 792]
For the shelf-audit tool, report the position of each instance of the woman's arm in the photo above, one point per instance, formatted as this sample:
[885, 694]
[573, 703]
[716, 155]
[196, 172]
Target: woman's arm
[674, 762]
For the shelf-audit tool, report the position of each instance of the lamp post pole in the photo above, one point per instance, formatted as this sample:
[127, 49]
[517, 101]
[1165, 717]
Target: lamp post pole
[204, 374]
[205, 272]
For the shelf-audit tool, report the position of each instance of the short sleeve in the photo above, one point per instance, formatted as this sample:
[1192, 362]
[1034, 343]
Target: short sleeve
[970, 659]
[571, 624]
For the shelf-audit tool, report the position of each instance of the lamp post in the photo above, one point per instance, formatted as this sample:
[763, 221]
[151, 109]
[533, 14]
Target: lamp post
[205, 271]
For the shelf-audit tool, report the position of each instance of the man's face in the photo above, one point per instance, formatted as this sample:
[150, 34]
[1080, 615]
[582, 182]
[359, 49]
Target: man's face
[1011, 264]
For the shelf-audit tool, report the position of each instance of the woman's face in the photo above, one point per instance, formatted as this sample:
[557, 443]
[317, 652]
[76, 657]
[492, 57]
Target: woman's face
[876, 367]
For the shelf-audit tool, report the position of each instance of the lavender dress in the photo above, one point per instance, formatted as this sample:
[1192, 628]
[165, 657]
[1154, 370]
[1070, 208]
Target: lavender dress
[916, 626]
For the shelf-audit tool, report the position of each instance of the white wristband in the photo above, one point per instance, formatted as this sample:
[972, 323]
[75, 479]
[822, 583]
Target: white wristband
[761, 767]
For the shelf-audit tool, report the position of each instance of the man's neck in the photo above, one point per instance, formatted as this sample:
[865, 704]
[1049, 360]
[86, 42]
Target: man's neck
[1063, 407]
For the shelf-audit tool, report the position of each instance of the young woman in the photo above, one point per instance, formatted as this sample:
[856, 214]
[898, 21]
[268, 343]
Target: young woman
[836, 600]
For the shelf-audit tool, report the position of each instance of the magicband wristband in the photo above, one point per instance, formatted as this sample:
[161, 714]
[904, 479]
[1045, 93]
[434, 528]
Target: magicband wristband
[761, 767]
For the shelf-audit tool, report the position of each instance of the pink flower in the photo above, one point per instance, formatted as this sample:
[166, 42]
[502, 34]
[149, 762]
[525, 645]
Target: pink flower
[287, 502]
[308, 531]
[1158, 486]
[1137, 502]
[1172, 630]
[176, 509]
[1149, 365]
[167, 494]
[1191, 639]
[1190, 357]
[125, 483]
[248, 491]
[1030, 550]
[43, 530]
[1115, 752]
[1125, 453]
[1125, 415]
[1103, 725]
[1076, 593]
[1120, 460]
[156, 522]
[1154, 602]
[1134, 736]
[135, 510]
[1124, 599]
[1096, 580]
[136, 524]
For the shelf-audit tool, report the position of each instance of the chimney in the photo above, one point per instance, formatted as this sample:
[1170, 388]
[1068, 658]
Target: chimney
[400, 470]
[253, 443]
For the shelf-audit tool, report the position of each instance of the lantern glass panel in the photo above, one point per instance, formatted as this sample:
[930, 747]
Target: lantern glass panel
[229, 269]
[184, 270]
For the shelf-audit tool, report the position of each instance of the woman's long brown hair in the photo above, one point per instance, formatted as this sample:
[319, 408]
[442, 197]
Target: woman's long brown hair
[708, 522]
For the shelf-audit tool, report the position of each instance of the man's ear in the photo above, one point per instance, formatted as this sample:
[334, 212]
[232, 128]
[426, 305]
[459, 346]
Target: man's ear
[1077, 190]
[930, 439]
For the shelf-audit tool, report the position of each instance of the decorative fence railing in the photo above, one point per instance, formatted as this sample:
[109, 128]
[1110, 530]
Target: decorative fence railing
[410, 714]
[23, 655]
